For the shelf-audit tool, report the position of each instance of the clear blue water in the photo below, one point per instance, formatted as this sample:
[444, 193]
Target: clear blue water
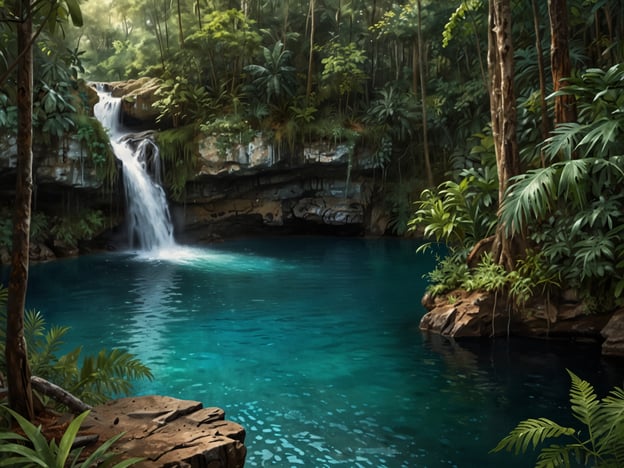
[312, 344]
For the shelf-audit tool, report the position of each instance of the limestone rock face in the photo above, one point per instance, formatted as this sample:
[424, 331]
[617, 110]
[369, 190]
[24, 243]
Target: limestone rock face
[67, 166]
[613, 332]
[168, 432]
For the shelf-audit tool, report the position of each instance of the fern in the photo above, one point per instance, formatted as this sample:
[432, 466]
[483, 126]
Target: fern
[556, 455]
[604, 429]
[531, 432]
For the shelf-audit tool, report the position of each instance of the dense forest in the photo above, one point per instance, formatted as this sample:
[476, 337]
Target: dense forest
[513, 107]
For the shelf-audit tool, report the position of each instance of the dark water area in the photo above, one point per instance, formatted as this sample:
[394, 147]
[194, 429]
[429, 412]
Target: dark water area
[313, 345]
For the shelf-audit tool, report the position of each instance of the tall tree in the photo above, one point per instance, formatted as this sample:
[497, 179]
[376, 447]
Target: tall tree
[504, 116]
[18, 370]
[312, 26]
[561, 68]
[423, 95]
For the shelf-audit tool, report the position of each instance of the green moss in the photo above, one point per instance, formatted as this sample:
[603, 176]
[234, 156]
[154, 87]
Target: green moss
[94, 139]
[178, 152]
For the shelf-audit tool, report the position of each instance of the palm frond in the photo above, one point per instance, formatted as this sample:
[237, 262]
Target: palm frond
[530, 196]
[563, 141]
[571, 180]
[108, 374]
[603, 131]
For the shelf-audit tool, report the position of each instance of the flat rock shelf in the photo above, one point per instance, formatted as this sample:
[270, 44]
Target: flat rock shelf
[168, 432]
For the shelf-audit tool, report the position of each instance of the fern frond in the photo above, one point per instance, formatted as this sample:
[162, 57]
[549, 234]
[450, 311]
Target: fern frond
[611, 442]
[585, 404]
[557, 455]
[531, 432]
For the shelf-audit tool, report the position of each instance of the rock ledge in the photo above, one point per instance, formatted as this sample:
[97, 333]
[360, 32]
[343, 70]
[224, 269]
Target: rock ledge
[168, 432]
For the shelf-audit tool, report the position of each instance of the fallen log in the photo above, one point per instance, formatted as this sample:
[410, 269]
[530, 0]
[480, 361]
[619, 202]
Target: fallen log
[59, 394]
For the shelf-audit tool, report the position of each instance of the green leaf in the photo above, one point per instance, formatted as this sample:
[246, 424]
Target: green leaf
[584, 401]
[75, 12]
[531, 432]
[556, 455]
[68, 438]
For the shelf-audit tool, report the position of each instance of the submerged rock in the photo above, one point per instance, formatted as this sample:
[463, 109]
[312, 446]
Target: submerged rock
[168, 432]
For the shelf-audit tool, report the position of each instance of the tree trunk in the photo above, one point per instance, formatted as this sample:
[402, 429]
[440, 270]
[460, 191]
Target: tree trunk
[18, 370]
[180, 29]
[561, 68]
[504, 116]
[59, 394]
[423, 96]
[311, 54]
[544, 124]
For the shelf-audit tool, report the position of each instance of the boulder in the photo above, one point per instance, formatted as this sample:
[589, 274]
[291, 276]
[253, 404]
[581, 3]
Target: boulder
[168, 432]
[138, 100]
[613, 333]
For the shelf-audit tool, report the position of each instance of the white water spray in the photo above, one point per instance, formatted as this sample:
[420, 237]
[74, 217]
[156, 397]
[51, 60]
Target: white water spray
[149, 222]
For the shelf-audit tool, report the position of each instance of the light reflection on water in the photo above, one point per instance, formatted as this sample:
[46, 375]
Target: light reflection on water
[313, 346]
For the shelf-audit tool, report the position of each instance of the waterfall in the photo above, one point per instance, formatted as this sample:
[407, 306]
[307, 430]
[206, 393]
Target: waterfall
[148, 218]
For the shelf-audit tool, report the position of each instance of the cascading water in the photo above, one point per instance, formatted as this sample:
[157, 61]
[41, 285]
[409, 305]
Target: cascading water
[148, 218]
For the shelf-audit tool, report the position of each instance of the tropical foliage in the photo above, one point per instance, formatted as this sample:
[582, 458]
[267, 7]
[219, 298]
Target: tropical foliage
[567, 203]
[93, 378]
[70, 230]
[572, 209]
[599, 442]
[52, 454]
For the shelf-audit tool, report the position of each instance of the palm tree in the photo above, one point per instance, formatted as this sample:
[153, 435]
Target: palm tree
[275, 80]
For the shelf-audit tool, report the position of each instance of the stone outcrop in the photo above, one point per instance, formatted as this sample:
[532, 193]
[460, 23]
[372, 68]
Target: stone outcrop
[168, 432]
[613, 333]
[137, 100]
[276, 201]
[64, 166]
[478, 314]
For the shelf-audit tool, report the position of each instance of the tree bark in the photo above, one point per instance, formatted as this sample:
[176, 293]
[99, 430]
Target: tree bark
[504, 117]
[180, 29]
[18, 370]
[311, 53]
[545, 123]
[560, 65]
[422, 63]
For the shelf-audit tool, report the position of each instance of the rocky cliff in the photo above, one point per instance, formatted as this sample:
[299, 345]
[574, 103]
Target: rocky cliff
[249, 187]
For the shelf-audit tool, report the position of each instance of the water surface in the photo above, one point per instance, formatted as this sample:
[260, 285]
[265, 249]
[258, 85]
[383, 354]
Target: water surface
[312, 344]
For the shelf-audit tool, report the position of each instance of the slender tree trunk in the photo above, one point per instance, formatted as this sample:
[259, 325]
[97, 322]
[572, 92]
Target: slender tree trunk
[544, 124]
[561, 68]
[18, 370]
[504, 116]
[180, 30]
[198, 11]
[423, 96]
[311, 55]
